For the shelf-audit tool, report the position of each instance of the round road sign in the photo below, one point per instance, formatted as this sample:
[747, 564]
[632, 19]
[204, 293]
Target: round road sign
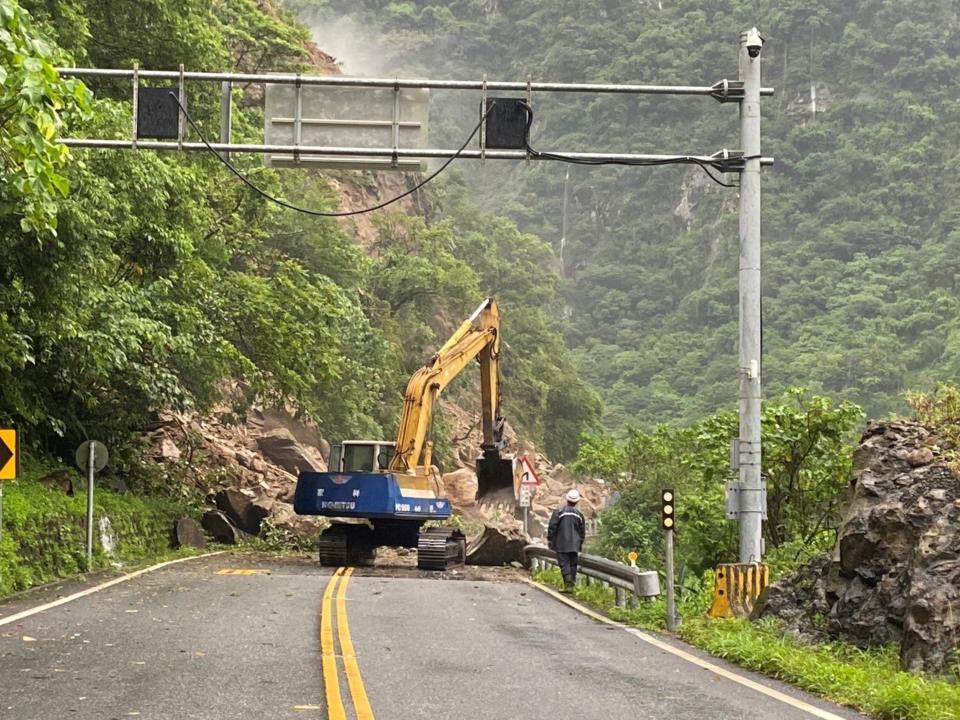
[100, 455]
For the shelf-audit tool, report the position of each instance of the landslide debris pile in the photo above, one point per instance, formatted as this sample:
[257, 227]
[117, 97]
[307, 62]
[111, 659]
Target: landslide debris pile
[460, 483]
[894, 574]
[247, 468]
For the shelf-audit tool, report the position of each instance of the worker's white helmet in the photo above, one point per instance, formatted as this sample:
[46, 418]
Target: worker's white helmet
[573, 496]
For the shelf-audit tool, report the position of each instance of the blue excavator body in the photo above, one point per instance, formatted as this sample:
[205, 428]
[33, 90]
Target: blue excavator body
[367, 495]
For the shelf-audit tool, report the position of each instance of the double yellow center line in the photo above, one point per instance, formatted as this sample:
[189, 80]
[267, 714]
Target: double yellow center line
[331, 680]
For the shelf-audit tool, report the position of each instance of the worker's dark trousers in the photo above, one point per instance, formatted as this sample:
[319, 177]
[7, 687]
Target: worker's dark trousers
[568, 566]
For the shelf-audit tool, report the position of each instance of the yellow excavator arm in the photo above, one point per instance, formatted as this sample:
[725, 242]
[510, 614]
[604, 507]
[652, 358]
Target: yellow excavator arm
[477, 338]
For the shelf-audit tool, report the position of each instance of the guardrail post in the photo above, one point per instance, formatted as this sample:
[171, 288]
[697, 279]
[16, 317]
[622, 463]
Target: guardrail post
[618, 598]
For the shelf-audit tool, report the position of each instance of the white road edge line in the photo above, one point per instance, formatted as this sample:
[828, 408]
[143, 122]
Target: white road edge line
[97, 588]
[706, 665]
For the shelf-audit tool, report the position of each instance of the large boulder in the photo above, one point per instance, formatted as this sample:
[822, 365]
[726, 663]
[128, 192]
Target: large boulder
[167, 451]
[500, 544]
[460, 487]
[894, 575]
[220, 528]
[187, 532]
[280, 447]
[301, 530]
[244, 507]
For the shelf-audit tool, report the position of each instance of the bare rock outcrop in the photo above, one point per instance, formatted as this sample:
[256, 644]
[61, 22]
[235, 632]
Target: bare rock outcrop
[245, 463]
[894, 575]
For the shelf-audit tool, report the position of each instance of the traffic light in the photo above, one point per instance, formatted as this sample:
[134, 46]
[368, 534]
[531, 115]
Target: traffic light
[667, 509]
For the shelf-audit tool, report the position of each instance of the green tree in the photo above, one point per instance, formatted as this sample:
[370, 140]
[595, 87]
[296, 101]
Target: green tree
[808, 448]
[35, 103]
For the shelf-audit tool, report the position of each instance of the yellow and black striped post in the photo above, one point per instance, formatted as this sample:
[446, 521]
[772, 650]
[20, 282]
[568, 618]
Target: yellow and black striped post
[736, 587]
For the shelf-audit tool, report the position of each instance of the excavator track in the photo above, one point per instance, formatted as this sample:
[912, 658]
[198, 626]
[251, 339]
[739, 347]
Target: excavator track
[333, 548]
[346, 545]
[441, 548]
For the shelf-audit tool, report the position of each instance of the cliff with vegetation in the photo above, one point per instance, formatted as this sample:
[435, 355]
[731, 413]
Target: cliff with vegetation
[860, 234]
[141, 286]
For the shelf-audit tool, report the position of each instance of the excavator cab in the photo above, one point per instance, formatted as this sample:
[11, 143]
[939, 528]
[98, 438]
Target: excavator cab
[361, 456]
[495, 478]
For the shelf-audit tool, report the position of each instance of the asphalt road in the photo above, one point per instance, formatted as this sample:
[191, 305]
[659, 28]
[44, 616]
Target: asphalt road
[198, 640]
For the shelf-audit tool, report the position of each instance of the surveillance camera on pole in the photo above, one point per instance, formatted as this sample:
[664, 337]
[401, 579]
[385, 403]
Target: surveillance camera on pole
[754, 43]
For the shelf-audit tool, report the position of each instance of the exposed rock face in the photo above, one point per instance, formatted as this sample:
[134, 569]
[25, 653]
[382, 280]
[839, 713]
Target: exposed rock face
[254, 459]
[168, 450]
[259, 450]
[894, 575]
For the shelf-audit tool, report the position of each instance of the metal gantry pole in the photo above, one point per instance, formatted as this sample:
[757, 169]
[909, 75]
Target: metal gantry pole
[751, 495]
[563, 230]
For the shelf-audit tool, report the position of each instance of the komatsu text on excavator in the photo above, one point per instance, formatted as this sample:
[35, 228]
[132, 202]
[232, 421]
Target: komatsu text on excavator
[383, 492]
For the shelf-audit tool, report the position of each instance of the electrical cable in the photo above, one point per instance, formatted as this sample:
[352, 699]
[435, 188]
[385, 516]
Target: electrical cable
[677, 160]
[318, 213]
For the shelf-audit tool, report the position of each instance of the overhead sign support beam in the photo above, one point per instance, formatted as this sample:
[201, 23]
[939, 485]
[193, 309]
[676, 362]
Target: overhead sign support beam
[381, 123]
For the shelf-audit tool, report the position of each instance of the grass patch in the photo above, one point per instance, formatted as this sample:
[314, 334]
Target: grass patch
[869, 680]
[44, 533]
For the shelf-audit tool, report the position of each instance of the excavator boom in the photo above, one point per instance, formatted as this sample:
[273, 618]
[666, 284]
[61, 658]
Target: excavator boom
[397, 502]
[478, 338]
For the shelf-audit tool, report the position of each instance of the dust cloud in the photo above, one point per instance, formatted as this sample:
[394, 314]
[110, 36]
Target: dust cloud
[355, 51]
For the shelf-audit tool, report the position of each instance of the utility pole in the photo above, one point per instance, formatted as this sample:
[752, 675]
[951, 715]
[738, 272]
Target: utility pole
[752, 497]
[563, 230]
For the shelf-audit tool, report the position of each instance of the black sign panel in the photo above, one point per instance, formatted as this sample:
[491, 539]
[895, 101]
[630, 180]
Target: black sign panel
[506, 124]
[158, 116]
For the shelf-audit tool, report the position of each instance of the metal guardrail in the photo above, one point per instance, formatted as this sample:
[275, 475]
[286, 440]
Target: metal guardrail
[623, 578]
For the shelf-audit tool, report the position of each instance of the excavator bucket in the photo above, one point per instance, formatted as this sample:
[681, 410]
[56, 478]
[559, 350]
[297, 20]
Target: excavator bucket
[495, 479]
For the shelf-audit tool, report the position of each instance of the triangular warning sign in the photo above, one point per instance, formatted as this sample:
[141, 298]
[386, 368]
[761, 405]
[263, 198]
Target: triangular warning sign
[528, 476]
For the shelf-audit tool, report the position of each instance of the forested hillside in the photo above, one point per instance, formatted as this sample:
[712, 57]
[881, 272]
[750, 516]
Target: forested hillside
[136, 281]
[860, 217]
